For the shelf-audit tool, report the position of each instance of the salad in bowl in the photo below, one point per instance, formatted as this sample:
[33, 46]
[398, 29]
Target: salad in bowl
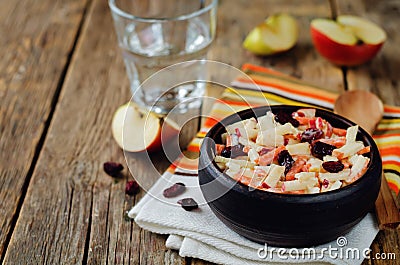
[297, 153]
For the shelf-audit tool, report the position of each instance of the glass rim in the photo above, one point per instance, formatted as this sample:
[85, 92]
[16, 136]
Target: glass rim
[114, 8]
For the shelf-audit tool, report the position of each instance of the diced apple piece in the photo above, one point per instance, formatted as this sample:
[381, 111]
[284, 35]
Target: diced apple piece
[266, 122]
[332, 186]
[298, 184]
[332, 177]
[328, 158]
[315, 164]
[286, 128]
[253, 155]
[309, 113]
[275, 173]
[348, 149]
[299, 149]
[351, 134]
[269, 138]
[359, 164]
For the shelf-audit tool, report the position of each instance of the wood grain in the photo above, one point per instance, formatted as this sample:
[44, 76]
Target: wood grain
[73, 212]
[36, 41]
[302, 61]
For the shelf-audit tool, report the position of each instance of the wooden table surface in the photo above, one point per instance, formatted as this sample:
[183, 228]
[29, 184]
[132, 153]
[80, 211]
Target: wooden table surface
[61, 79]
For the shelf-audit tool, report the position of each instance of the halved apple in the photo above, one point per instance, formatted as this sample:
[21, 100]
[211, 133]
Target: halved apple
[137, 130]
[277, 34]
[348, 41]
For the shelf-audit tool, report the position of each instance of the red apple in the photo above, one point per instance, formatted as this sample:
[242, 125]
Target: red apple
[348, 41]
[136, 130]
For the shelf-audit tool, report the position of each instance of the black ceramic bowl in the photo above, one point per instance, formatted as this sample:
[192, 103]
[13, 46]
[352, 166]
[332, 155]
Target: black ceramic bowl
[288, 220]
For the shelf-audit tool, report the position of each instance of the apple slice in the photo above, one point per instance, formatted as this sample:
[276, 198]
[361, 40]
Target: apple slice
[136, 130]
[277, 34]
[348, 41]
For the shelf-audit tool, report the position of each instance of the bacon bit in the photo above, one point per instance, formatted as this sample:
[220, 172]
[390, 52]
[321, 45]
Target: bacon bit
[325, 183]
[329, 130]
[265, 185]
[285, 141]
[260, 172]
[319, 123]
[312, 123]
[339, 131]
[219, 148]
[269, 157]
[237, 131]
[346, 164]
[296, 168]
[264, 151]
[246, 149]
[306, 168]
[245, 180]
[304, 120]
[228, 140]
[365, 150]
[299, 114]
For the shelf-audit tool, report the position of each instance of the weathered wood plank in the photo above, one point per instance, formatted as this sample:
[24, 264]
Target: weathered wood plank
[36, 40]
[381, 77]
[381, 74]
[237, 19]
[74, 212]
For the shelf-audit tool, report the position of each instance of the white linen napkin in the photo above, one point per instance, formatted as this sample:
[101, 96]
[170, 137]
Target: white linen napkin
[200, 234]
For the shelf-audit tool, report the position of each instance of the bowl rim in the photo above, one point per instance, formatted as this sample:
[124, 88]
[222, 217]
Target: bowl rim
[209, 154]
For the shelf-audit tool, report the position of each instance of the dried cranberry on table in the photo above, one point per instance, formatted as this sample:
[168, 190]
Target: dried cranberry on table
[175, 190]
[333, 166]
[284, 117]
[311, 134]
[113, 169]
[320, 149]
[188, 204]
[285, 159]
[132, 187]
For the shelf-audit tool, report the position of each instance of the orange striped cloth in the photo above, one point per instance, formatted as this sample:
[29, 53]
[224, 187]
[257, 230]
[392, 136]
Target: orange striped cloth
[278, 88]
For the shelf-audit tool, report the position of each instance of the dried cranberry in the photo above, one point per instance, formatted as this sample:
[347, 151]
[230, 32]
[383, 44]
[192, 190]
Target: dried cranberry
[333, 166]
[132, 187]
[311, 134]
[113, 169]
[175, 190]
[284, 117]
[233, 151]
[320, 149]
[226, 152]
[188, 204]
[285, 159]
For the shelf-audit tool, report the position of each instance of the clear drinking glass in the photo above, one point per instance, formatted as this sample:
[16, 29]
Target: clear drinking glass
[154, 34]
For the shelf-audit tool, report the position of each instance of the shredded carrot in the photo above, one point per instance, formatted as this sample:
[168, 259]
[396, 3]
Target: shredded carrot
[296, 168]
[219, 148]
[269, 157]
[339, 131]
[365, 150]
